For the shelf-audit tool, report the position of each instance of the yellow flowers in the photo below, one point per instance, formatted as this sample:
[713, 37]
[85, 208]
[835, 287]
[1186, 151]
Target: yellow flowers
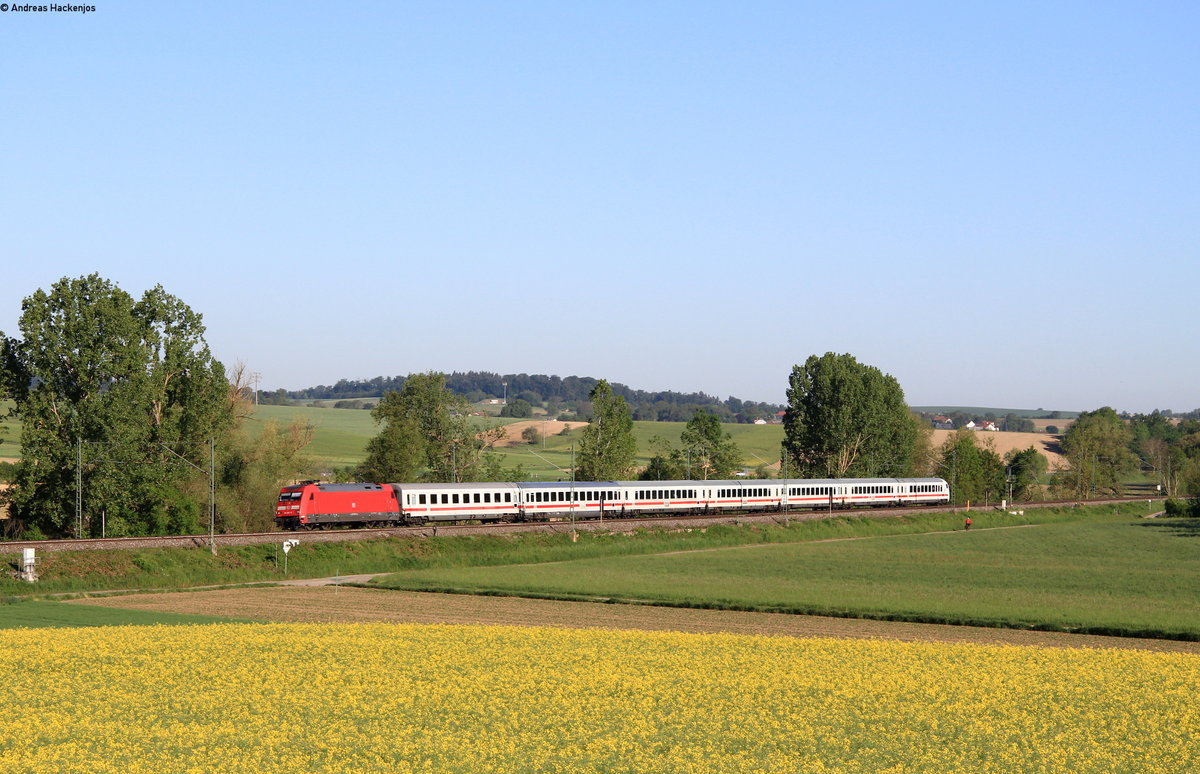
[406, 698]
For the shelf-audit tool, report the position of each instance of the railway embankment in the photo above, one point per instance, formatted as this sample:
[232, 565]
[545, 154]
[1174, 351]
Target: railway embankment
[161, 563]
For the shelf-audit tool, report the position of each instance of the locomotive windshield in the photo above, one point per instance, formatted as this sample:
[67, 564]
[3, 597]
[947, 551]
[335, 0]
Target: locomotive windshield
[285, 496]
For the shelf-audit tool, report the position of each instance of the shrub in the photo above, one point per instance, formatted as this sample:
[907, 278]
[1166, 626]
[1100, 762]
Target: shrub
[1183, 507]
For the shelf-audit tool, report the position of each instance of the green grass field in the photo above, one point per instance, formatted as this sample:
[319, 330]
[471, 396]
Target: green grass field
[550, 459]
[1103, 570]
[1105, 573]
[40, 614]
[341, 437]
[10, 432]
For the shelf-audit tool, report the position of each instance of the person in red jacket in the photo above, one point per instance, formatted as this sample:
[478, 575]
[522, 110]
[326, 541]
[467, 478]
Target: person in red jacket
[967, 523]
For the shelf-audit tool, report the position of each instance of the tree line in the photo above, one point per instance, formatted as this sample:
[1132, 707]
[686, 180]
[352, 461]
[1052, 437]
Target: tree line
[557, 395]
[130, 425]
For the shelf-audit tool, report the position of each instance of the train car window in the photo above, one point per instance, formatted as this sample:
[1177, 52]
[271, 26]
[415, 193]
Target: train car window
[420, 499]
[507, 497]
[454, 498]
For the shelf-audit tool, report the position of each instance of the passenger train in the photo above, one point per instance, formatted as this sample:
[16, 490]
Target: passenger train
[316, 505]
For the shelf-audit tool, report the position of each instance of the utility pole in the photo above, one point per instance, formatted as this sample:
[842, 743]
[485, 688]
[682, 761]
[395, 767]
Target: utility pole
[212, 494]
[78, 487]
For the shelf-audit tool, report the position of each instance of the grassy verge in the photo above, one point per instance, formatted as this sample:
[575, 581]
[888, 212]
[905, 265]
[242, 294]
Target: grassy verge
[39, 614]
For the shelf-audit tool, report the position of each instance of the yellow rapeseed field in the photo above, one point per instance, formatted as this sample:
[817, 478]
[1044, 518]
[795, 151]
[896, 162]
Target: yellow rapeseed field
[408, 698]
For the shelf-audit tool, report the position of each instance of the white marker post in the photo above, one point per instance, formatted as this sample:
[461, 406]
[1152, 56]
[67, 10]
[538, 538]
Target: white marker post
[288, 545]
[28, 565]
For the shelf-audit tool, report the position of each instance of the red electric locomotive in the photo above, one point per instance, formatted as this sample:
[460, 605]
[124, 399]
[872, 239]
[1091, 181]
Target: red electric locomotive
[315, 505]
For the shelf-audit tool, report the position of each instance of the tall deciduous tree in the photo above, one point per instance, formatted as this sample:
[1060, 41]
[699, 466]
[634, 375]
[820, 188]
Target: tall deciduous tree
[130, 390]
[975, 473]
[1097, 449]
[709, 451]
[427, 435]
[1024, 470]
[606, 447]
[846, 419]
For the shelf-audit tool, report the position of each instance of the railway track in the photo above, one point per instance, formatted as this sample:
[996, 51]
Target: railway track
[429, 530]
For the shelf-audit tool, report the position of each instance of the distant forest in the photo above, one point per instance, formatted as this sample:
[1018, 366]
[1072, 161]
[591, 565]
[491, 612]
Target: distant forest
[557, 395]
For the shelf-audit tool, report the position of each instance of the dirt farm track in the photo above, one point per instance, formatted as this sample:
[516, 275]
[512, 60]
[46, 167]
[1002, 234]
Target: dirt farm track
[347, 604]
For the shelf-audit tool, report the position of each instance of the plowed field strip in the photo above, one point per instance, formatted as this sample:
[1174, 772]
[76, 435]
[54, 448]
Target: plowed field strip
[343, 605]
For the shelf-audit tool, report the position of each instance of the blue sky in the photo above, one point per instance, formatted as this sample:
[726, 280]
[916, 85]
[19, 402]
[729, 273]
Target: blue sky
[996, 205]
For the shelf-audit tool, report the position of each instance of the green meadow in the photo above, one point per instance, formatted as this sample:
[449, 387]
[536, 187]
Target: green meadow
[36, 614]
[340, 439]
[1109, 572]
[10, 432]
